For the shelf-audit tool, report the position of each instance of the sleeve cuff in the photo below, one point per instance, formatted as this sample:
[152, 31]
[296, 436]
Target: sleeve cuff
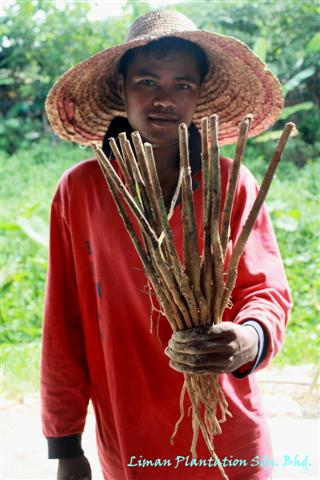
[248, 368]
[64, 447]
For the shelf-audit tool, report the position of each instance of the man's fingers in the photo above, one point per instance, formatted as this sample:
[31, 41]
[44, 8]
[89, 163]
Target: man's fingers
[196, 333]
[212, 360]
[179, 367]
[224, 330]
[204, 350]
[198, 347]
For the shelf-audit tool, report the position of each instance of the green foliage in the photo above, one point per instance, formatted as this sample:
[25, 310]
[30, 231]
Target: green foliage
[40, 41]
[294, 205]
[286, 36]
[30, 178]
[20, 369]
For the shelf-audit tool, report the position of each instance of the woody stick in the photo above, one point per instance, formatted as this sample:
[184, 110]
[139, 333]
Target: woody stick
[248, 226]
[190, 234]
[169, 308]
[207, 258]
[227, 210]
[216, 195]
[181, 277]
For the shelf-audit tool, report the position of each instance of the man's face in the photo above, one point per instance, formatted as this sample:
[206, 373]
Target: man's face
[161, 93]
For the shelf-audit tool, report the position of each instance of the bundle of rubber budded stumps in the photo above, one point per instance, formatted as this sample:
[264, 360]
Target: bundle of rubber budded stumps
[195, 291]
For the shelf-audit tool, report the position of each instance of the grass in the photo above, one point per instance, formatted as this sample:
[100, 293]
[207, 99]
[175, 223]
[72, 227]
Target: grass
[21, 366]
[30, 178]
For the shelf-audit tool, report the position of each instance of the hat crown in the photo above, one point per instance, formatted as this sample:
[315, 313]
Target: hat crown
[160, 22]
[86, 98]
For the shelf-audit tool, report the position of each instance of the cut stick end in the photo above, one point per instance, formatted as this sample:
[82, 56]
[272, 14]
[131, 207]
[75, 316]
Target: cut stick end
[247, 120]
[214, 124]
[183, 138]
[149, 150]
[95, 147]
[291, 126]
[137, 143]
[122, 137]
[136, 135]
[214, 117]
[114, 145]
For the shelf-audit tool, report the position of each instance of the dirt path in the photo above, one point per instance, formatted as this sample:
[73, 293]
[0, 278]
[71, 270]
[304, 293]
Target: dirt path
[290, 400]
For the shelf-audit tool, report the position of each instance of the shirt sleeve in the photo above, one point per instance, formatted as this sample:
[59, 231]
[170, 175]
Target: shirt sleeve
[65, 387]
[249, 367]
[64, 447]
[261, 293]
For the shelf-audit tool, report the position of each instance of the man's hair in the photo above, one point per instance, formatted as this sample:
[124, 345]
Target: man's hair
[160, 49]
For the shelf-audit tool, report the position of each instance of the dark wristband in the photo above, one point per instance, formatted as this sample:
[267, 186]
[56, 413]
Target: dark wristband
[64, 447]
[245, 370]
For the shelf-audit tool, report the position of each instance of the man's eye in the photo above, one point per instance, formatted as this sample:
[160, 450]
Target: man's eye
[183, 86]
[147, 82]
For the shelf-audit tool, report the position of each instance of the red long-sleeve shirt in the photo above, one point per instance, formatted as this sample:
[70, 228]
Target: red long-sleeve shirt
[97, 342]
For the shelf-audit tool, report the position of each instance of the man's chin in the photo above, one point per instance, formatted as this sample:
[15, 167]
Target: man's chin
[161, 140]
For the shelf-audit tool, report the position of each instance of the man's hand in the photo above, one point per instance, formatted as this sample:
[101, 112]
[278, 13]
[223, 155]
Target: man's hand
[74, 468]
[220, 348]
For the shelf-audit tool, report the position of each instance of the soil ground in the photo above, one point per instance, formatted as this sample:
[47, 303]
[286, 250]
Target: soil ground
[291, 401]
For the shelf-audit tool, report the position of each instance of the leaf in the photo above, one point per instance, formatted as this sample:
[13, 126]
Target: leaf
[261, 47]
[313, 46]
[295, 81]
[32, 135]
[35, 228]
[12, 123]
[288, 111]
[6, 285]
[294, 213]
[6, 81]
[287, 223]
[276, 205]
[9, 227]
[9, 275]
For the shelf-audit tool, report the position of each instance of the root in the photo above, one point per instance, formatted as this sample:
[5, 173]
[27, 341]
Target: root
[176, 427]
[153, 309]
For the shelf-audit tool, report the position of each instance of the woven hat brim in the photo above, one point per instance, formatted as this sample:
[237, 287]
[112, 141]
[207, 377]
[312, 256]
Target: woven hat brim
[82, 103]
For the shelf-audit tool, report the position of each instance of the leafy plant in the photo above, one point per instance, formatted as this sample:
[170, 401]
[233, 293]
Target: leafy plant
[40, 41]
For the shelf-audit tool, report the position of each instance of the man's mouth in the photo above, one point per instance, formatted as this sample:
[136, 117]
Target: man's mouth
[162, 119]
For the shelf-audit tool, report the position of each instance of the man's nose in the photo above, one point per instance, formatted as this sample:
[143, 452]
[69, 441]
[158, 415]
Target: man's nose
[164, 99]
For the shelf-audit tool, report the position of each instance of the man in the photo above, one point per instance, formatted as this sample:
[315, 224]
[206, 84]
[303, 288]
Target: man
[96, 340]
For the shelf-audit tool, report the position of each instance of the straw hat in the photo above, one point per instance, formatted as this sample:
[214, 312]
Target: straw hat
[82, 103]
